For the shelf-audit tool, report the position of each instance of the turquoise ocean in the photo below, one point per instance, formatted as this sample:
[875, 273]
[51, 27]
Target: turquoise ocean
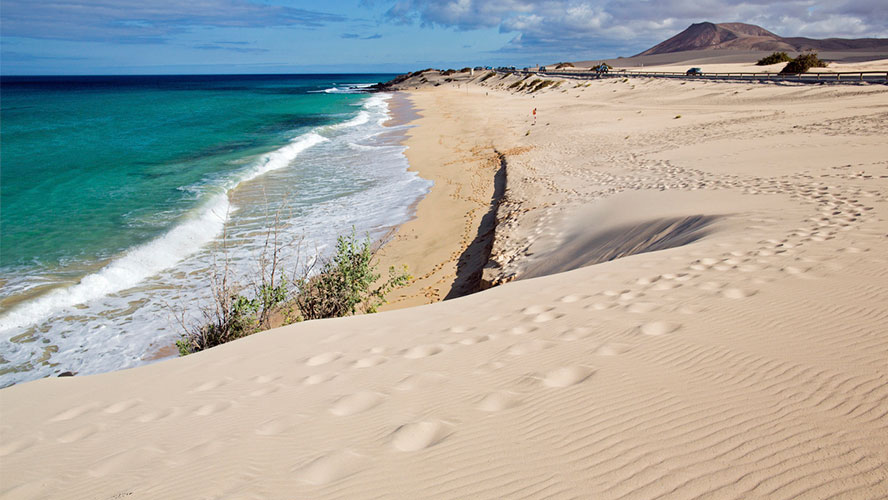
[116, 194]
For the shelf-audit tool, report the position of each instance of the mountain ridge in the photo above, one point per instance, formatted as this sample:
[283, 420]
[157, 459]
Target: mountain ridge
[742, 36]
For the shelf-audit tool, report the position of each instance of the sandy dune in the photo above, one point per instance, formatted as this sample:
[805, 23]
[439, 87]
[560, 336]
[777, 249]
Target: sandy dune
[736, 348]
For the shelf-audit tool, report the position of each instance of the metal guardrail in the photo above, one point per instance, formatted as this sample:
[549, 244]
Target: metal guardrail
[839, 77]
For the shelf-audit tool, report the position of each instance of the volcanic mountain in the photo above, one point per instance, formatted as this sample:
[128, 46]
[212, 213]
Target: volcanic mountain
[748, 37]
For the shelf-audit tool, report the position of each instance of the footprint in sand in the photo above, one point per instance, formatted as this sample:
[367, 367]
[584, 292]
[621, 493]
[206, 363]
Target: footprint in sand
[158, 415]
[265, 379]
[211, 408]
[356, 403]
[422, 351]
[74, 412]
[642, 307]
[275, 426]
[655, 328]
[122, 406]
[370, 361]
[264, 391]
[794, 270]
[323, 358]
[420, 435]
[17, 445]
[522, 330]
[613, 349]
[488, 367]
[600, 306]
[665, 285]
[474, 339]
[78, 434]
[567, 376]
[577, 333]
[212, 384]
[318, 378]
[546, 316]
[567, 299]
[498, 401]
[332, 467]
[459, 329]
[536, 309]
[738, 293]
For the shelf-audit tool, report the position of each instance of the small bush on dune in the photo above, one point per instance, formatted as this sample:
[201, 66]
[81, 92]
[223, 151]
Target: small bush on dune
[541, 85]
[234, 314]
[563, 65]
[776, 57]
[803, 63]
[344, 283]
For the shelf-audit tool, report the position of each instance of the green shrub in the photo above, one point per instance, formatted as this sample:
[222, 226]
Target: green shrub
[346, 281]
[776, 57]
[234, 316]
[803, 63]
[541, 85]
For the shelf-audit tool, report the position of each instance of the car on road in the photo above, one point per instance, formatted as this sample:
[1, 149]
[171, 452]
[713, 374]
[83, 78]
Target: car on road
[694, 71]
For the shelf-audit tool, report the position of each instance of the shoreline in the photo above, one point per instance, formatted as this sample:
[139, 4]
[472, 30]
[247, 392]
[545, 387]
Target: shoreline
[435, 239]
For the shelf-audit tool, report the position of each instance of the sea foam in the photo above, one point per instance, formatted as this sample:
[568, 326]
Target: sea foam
[193, 232]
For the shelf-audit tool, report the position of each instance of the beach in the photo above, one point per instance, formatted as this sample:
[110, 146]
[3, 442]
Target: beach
[681, 291]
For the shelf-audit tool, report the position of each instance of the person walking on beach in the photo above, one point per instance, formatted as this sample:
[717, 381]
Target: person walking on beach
[534, 116]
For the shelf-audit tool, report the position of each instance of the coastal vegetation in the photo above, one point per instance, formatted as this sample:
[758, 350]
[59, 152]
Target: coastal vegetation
[543, 84]
[803, 63]
[344, 283]
[774, 58]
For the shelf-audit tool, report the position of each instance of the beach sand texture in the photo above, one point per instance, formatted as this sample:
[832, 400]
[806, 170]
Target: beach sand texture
[691, 307]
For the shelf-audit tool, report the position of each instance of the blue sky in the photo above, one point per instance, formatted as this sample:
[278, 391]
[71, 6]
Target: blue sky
[258, 36]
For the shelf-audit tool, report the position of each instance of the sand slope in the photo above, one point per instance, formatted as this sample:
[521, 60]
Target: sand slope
[746, 362]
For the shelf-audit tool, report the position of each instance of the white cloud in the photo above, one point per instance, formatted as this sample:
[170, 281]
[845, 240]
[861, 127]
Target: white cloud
[565, 26]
